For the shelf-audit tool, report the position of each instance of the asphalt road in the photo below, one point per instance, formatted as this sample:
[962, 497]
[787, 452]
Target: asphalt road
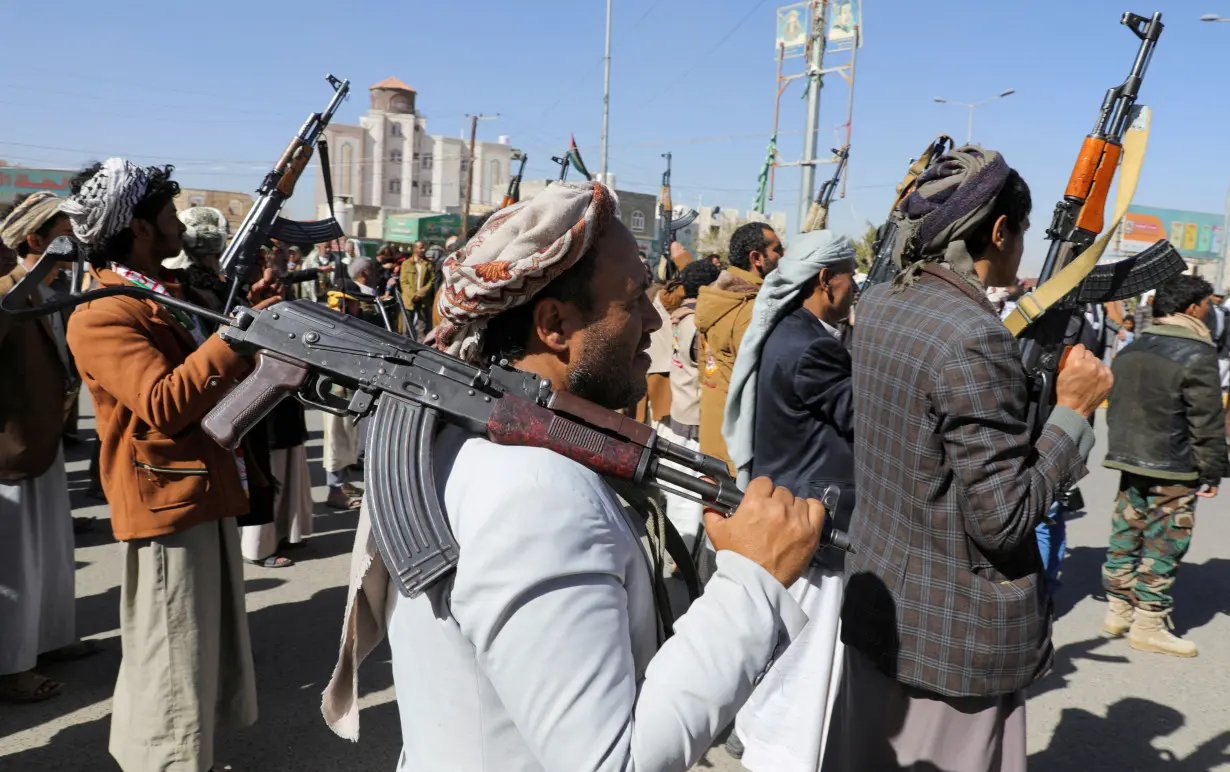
[1103, 707]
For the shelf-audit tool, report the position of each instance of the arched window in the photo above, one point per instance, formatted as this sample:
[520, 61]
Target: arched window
[395, 156]
[347, 167]
[638, 222]
[395, 129]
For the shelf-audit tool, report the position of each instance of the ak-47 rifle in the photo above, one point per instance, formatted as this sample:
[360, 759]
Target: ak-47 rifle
[514, 185]
[409, 389]
[818, 215]
[884, 268]
[1071, 276]
[262, 222]
[670, 225]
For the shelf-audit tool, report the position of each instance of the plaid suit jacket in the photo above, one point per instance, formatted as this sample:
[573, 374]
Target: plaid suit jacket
[945, 591]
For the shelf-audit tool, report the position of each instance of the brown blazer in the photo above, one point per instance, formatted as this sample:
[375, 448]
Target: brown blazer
[32, 392]
[151, 387]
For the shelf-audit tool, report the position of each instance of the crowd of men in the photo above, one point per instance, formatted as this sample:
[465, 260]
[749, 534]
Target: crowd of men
[902, 408]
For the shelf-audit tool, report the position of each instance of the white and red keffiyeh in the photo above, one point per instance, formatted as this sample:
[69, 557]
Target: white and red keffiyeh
[517, 252]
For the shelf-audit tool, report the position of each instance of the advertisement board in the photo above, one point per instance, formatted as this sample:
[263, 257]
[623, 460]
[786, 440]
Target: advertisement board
[1197, 235]
[15, 180]
[426, 227]
[793, 22]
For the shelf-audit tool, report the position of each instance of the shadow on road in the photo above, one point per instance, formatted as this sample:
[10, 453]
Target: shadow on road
[295, 647]
[1123, 741]
[1199, 590]
[1065, 661]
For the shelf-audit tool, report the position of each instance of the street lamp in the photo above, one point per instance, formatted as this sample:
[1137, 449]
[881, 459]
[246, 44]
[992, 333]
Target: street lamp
[1213, 17]
[971, 105]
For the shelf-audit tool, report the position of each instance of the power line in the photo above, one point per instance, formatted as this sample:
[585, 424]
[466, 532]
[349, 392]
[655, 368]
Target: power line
[682, 78]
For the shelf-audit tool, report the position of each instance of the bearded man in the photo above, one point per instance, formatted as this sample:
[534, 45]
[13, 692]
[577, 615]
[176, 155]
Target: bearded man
[545, 650]
[174, 492]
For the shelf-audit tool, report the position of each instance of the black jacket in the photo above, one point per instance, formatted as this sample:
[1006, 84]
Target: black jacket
[1166, 418]
[804, 431]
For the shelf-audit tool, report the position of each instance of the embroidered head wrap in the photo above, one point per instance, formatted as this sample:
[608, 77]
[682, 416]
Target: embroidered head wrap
[520, 250]
[29, 216]
[207, 230]
[106, 202]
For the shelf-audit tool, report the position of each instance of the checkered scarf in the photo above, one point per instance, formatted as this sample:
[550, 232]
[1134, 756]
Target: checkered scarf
[106, 202]
[520, 250]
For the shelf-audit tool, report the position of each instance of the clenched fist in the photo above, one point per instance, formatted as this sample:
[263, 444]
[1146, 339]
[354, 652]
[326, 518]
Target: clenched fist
[772, 528]
[1083, 382]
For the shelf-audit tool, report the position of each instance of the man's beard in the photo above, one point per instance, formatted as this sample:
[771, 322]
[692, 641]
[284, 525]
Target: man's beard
[605, 376]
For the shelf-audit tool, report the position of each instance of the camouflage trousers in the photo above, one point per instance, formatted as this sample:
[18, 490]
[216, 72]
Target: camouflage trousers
[1151, 530]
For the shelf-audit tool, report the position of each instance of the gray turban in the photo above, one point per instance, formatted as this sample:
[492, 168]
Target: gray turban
[207, 231]
[952, 198]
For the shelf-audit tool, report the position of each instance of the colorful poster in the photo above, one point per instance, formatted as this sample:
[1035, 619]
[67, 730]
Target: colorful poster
[15, 180]
[793, 21]
[1197, 235]
[843, 18]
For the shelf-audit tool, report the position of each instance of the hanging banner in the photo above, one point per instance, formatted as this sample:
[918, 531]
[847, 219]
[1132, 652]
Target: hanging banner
[843, 18]
[793, 21]
[1197, 235]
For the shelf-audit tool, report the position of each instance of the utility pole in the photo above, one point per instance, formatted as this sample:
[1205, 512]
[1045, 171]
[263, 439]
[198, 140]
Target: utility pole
[467, 191]
[606, 93]
[814, 83]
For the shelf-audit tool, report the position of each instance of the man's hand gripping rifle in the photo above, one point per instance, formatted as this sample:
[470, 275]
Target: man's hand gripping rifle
[1070, 276]
[262, 222]
[412, 389]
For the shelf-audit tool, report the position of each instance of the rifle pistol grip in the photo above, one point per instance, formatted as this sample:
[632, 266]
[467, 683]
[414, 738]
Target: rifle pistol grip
[275, 377]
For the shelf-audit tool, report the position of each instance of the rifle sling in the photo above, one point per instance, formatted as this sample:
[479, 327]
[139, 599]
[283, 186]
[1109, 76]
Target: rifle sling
[1033, 304]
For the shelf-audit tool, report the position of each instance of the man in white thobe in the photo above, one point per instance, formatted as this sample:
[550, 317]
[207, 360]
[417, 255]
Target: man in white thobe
[545, 651]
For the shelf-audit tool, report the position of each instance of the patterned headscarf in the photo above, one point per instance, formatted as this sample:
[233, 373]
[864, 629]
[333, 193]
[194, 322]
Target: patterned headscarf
[951, 199]
[28, 217]
[520, 250]
[207, 229]
[106, 202]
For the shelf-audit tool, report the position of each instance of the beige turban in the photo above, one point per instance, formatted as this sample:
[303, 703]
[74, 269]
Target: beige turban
[28, 217]
[520, 250]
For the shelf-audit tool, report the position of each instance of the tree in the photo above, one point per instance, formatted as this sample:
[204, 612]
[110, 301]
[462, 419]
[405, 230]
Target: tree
[864, 250]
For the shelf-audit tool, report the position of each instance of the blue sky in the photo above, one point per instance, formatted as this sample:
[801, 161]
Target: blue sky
[219, 88]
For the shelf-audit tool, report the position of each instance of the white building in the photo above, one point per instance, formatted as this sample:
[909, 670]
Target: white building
[712, 229]
[388, 164]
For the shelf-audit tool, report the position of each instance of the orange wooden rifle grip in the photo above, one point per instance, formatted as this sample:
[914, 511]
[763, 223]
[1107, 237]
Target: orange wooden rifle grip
[297, 162]
[1087, 163]
[1092, 217]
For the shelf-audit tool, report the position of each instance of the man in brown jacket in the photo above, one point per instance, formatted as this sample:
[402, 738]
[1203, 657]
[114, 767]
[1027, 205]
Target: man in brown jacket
[723, 312]
[37, 612]
[174, 492]
[418, 289]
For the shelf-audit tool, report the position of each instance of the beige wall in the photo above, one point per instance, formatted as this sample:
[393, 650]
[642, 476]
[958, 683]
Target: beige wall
[234, 206]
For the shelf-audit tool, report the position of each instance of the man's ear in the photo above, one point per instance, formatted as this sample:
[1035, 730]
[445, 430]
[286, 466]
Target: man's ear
[824, 277]
[140, 228]
[1001, 233]
[553, 325]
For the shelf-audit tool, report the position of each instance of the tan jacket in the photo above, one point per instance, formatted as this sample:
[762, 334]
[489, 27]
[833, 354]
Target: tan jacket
[723, 313]
[32, 392]
[151, 387]
[417, 280]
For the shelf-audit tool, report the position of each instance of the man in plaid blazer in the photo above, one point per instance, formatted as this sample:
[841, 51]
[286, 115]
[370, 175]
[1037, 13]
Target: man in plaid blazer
[946, 619]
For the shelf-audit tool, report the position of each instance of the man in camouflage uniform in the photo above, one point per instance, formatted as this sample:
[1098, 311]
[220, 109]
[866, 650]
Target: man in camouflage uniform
[1168, 437]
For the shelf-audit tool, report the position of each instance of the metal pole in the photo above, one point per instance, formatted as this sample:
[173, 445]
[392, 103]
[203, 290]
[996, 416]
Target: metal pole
[814, 84]
[969, 134]
[1225, 252]
[465, 209]
[606, 93]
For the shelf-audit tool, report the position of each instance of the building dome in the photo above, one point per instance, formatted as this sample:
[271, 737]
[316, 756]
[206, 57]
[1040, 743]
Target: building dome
[393, 96]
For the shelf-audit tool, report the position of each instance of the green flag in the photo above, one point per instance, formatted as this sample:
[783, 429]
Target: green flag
[574, 155]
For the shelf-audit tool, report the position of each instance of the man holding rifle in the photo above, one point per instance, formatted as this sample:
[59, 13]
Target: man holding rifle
[946, 618]
[548, 649]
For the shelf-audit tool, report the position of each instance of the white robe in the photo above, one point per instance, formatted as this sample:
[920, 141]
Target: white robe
[292, 506]
[784, 725]
[37, 577]
[542, 652]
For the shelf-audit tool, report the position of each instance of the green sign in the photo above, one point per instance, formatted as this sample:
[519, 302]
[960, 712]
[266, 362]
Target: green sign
[428, 228]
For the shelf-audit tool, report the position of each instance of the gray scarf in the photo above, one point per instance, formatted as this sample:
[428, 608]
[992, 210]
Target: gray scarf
[952, 198]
